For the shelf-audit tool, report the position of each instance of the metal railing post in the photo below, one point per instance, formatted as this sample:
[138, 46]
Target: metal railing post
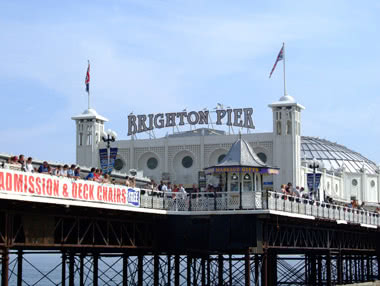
[214, 200]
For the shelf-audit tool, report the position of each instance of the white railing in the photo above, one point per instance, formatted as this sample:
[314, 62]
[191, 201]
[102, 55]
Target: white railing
[217, 201]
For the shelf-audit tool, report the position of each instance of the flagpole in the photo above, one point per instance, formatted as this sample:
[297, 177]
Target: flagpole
[283, 46]
[88, 89]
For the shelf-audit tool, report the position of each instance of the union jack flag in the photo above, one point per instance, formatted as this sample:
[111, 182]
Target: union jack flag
[280, 57]
[87, 81]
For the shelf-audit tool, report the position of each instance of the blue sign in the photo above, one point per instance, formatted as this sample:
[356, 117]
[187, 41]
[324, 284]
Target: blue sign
[268, 183]
[103, 155]
[310, 180]
[113, 153]
[133, 197]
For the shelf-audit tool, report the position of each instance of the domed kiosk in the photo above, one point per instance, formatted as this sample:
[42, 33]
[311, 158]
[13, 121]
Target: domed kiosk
[241, 171]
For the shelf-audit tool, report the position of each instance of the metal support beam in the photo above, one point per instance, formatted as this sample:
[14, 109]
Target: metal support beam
[19, 267]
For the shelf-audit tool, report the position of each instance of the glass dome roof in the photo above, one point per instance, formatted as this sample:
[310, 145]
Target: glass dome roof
[334, 156]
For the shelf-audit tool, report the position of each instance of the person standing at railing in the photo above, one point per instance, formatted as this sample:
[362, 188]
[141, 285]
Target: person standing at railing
[90, 175]
[29, 166]
[21, 160]
[182, 191]
[77, 173]
[57, 171]
[70, 172]
[44, 168]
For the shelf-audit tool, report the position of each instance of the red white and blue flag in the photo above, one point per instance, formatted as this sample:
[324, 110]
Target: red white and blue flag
[280, 57]
[87, 81]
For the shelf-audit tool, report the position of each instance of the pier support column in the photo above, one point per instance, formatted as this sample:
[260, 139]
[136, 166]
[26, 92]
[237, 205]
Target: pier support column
[272, 268]
[71, 269]
[125, 269]
[313, 269]
[140, 270]
[176, 270]
[328, 269]
[19, 267]
[169, 270]
[247, 266]
[220, 270]
[4, 267]
[230, 268]
[203, 273]
[257, 273]
[320, 265]
[81, 269]
[156, 270]
[188, 270]
[339, 266]
[208, 271]
[264, 269]
[95, 269]
[63, 269]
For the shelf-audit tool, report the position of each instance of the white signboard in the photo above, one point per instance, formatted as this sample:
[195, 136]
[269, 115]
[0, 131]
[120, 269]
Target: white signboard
[39, 187]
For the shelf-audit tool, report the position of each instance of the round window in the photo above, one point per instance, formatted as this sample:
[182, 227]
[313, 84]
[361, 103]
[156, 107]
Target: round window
[221, 157]
[373, 184]
[187, 162]
[152, 163]
[262, 157]
[354, 182]
[119, 164]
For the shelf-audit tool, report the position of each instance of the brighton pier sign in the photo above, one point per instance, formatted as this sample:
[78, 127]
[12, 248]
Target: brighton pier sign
[239, 117]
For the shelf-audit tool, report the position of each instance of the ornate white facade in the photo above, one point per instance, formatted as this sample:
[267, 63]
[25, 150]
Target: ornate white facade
[180, 156]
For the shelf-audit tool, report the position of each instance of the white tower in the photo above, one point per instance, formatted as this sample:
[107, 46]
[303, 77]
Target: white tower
[287, 141]
[90, 127]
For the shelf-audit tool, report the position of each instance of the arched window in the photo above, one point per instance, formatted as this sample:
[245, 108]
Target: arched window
[234, 182]
[288, 127]
[278, 127]
[247, 183]
[80, 139]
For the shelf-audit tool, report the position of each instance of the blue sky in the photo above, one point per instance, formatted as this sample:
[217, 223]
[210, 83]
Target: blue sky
[161, 56]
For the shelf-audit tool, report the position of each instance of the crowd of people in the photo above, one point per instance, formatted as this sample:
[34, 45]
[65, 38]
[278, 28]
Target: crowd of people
[73, 171]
